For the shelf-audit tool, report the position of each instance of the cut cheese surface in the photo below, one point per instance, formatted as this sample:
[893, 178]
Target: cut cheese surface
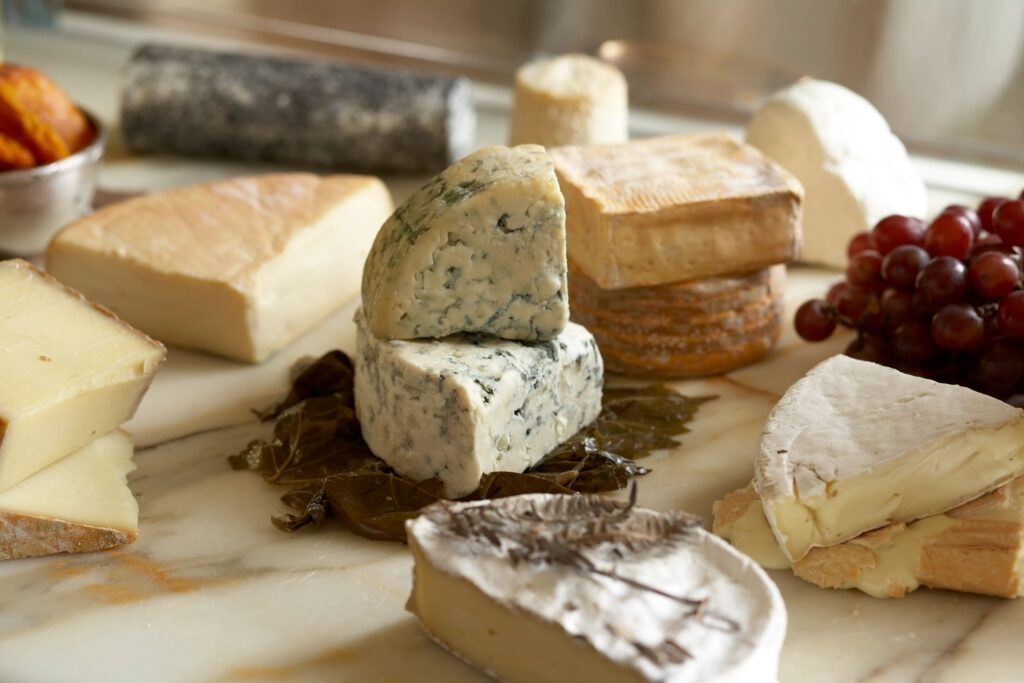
[480, 248]
[854, 446]
[676, 208]
[541, 588]
[70, 371]
[237, 267]
[460, 407]
[79, 504]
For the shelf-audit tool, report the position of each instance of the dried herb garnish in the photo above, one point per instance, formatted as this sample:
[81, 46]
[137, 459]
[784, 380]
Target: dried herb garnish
[317, 450]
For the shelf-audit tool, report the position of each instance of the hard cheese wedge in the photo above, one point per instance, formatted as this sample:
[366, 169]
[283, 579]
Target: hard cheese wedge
[237, 267]
[975, 548]
[79, 504]
[70, 371]
[854, 446]
[541, 588]
[460, 407]
[676, 208]
[480, 248]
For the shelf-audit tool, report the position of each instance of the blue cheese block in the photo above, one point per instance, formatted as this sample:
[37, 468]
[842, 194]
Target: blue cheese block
[198, 103]
[461, 407]
[480, 248]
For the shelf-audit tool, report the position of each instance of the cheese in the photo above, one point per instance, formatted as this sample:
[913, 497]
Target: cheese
[238, 267]
[480, 248]
[975, 548]
[460, 407]
[79, 504]
[854, 170]
[541, 588]
[676, 208]
[854, 446]
[70, 371]
[682, 329]
[569, 100]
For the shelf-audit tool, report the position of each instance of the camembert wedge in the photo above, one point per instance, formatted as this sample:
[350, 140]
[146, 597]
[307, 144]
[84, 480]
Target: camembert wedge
[79, 504]
[854, 446]
[69, 371]
[541, 588]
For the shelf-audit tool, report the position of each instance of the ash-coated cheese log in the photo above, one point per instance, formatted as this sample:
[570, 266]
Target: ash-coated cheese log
[461, 407]
[195, 102]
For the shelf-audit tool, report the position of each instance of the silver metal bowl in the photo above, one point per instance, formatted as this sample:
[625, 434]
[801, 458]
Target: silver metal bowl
[37, 202]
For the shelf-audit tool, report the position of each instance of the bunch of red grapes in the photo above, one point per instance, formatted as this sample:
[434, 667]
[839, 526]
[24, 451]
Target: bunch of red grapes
[942, 301]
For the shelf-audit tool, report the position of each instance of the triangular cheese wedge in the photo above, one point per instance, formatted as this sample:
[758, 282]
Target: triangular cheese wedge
[79, 504]
[854, 446]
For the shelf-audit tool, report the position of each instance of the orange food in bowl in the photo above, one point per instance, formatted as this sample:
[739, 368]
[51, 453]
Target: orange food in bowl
[39, 123]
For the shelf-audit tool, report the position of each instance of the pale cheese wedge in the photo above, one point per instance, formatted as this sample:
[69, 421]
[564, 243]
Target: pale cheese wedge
[69, 371]
[854, 446]
[79, 504]
[238, 267]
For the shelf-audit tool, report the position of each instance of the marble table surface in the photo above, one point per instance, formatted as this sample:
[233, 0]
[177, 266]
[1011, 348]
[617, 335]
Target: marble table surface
[212, 592]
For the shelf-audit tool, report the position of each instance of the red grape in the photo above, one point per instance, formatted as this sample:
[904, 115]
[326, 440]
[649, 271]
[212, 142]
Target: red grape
[986, 209]
[958, 327]
[834, 292]
[862, 241]
[893, 231]
[856, 303]
[986, 241]
[949, 235]
[1008, 222]
[1011, 314]
[993, 274]
[913, 342]
[898, 305]
[902, 264]
[865, 270]
[869, 347]
[1000, 368]
[943, 281]
[814, 320]
[970, 214]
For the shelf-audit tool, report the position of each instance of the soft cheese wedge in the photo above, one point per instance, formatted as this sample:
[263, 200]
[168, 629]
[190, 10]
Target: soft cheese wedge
[69, 371]
[975, 548]
[676, 208]
[854, 446]
[77, 505]
[460, 407]
[237, 267]
[539, 588]
[480, 248]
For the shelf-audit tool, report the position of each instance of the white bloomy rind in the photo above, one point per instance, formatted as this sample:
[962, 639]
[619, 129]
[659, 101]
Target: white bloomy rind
[535, 621]
[854, 446]
[460, 407]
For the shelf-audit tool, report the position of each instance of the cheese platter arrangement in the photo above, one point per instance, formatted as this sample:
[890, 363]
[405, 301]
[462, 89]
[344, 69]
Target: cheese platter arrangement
[570, 404]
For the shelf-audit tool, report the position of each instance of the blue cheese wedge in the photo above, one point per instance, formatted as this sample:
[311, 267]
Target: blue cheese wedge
[480, 248]
[460, 407]
[547, 588]
[854, 446]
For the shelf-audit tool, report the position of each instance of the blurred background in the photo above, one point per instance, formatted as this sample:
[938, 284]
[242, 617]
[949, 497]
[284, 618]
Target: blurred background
[948, 74]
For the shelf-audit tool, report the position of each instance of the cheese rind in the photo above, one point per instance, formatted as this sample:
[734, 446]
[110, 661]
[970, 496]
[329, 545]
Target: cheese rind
[485, 585]
[569, 100]
[71, 371]
[80, 504]
[460, 407]
[480, 248]
[237, 267]
[854, 170]
[854, 446]
[676, 208]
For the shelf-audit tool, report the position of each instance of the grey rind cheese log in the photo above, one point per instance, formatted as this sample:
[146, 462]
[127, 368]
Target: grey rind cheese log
[194, 102]
[480, 248]
[461, 407]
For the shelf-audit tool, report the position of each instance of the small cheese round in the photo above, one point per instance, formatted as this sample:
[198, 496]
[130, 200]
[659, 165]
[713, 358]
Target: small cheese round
[569, 100]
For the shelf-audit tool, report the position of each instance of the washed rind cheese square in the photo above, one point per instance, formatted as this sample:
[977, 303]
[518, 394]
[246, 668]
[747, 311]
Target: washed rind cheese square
[676, 208]
[460, 407]
[71, 371]
[854, 446]
[238, 267]
[480, 248]
[80, 504]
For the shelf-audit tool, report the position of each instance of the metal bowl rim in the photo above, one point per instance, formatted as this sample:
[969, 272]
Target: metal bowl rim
[89, 154]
